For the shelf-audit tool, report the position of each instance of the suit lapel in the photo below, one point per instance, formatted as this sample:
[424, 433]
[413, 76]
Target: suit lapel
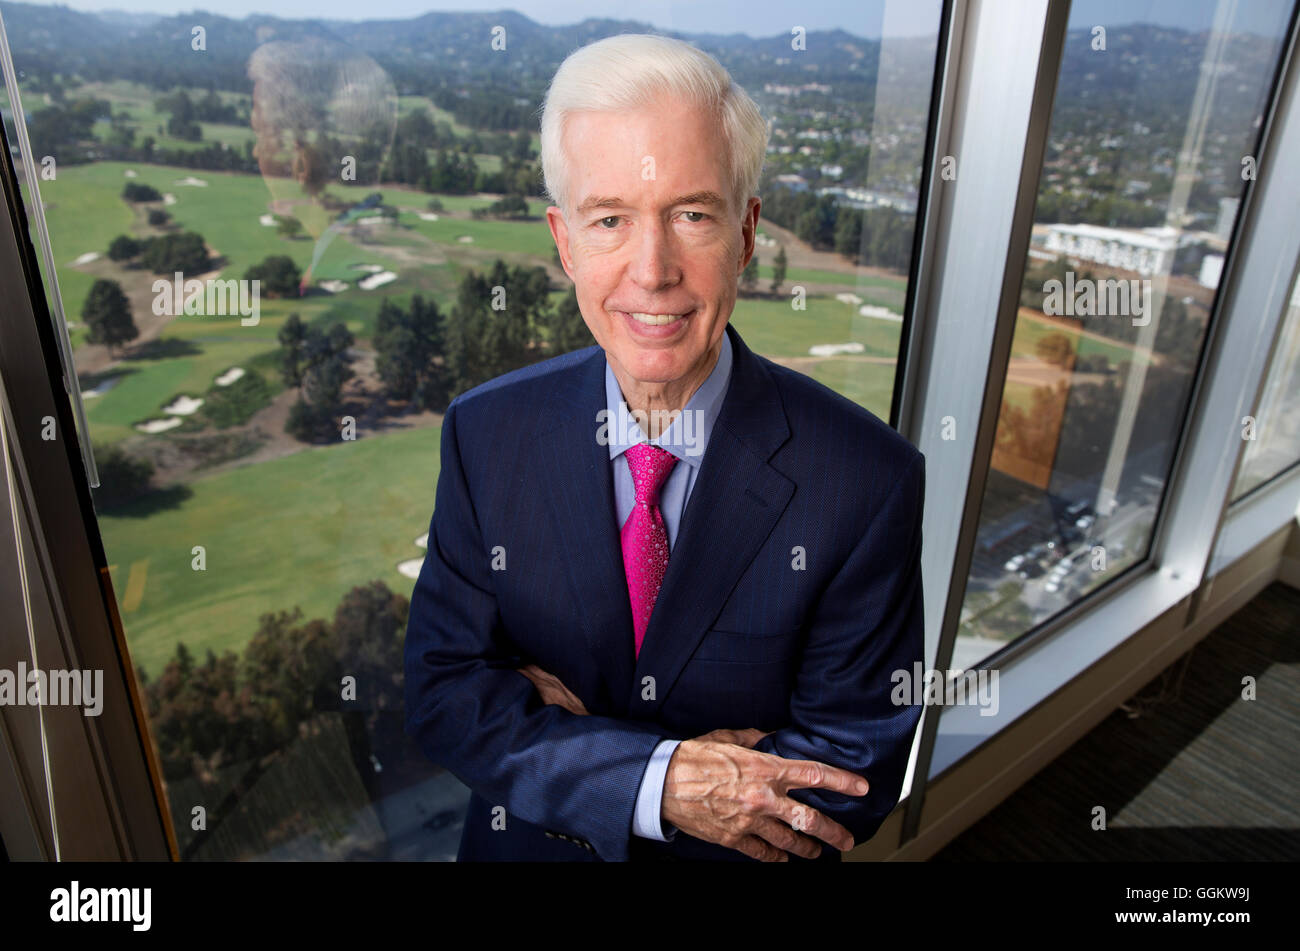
[581, 495]
[735, 503]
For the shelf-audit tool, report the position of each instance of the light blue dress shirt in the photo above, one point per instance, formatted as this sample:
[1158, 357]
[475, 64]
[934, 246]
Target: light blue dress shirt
[686, 438]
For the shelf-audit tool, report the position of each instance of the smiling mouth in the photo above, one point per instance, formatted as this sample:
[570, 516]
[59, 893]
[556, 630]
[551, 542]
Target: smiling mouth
[656, 320]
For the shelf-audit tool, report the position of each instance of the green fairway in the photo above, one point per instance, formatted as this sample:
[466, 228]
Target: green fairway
[300, 530]
[774, 328]
[1031, 327]
[523, 237]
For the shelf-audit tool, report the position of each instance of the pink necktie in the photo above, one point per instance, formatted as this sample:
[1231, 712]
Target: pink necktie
[645, 540]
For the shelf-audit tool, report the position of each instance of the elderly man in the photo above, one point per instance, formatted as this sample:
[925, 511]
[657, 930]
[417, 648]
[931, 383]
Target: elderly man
[667, 580]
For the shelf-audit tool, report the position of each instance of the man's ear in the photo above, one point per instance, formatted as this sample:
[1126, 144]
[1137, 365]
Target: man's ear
[560, 234]
[749, 231]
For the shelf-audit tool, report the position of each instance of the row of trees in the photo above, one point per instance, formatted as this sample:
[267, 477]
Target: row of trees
[241, 708]
[749, 276]
[501, 321]
[872, 237]
[183, 251]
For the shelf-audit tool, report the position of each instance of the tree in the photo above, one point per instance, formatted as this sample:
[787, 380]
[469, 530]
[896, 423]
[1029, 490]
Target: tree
[778, 270]
[157, 217]
[567, 330]
[107, 314]
[166, 254]
[123, 248]
[325, 367]
[292, 337]
[288, 226]
[280, 277]
[1055, 348]
[122, 478]
[138, 191]
[409, 344]
[749, 276]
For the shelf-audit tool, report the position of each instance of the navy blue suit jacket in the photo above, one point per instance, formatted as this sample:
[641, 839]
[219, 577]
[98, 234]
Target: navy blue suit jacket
[792, 593]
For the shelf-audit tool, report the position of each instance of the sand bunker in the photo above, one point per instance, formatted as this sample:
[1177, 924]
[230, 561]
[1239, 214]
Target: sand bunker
[191, 180]
[86, 258]
[182, 406]
[428, 216]
[230, 376]
[159, 425]
[883, 313]
[129, 173]
[466, 239]
[834, 349]
[848, 299]
[267, 221]
[334, 287]
[169, 199]
[411, 569]
[101, 388]
[376, 280]
[423, 540]
[371, 268]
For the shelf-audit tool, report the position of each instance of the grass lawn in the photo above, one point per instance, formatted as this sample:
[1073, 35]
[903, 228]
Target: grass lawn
[774, 328]
[300, 530]
[1031, 327]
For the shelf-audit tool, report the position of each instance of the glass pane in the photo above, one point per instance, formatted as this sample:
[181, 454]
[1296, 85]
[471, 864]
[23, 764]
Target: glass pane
[1273, 439]
[1153, 132]
[268, 460]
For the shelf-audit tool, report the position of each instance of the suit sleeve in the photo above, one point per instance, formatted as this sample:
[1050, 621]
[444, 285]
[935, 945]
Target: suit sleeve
[471, 712]
[868, 624]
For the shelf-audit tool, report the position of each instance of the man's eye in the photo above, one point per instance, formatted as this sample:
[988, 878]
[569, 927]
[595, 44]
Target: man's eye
[602, 221]
[700, 213]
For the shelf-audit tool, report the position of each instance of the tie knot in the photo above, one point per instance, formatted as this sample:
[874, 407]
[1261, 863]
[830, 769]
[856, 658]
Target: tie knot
[650, 466]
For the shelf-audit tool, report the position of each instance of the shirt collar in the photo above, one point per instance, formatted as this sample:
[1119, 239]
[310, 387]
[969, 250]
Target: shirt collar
[688, 435]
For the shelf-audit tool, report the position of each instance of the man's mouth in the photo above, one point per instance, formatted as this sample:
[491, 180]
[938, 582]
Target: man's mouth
[656, 320]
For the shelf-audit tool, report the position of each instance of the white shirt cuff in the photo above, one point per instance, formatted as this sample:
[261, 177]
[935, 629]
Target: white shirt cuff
[646, 821]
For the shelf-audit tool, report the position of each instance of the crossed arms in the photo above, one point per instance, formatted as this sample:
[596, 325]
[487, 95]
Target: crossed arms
[517, 740]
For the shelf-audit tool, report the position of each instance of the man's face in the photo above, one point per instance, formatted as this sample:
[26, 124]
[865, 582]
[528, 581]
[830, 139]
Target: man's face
[653, 231]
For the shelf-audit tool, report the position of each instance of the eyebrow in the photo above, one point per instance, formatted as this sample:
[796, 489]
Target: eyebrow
[694, 198]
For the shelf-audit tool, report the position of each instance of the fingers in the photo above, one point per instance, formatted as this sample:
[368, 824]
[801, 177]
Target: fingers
[809, 774]
[803, 818]
[747, 737]
[787, 839]
[757, 848]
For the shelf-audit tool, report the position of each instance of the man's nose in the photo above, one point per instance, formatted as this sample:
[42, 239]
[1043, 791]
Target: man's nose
[655, 261]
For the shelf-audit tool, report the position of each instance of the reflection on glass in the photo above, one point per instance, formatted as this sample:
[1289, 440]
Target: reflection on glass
[1151, 141]
[268, 463]
[1273, 438]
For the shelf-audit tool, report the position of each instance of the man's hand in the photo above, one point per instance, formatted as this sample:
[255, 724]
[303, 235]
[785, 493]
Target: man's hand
[553, 690]
[721, 791]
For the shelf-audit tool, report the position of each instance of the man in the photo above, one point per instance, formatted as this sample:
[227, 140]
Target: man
[678, 646]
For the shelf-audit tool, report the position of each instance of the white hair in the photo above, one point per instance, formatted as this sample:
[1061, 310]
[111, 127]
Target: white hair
[633, 70]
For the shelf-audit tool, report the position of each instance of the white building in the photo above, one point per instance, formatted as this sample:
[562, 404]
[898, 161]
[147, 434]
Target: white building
[1147, 251]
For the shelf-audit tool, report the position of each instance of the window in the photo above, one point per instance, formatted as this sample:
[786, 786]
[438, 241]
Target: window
[1152, 139]
[267, 460]
[1273, 437]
